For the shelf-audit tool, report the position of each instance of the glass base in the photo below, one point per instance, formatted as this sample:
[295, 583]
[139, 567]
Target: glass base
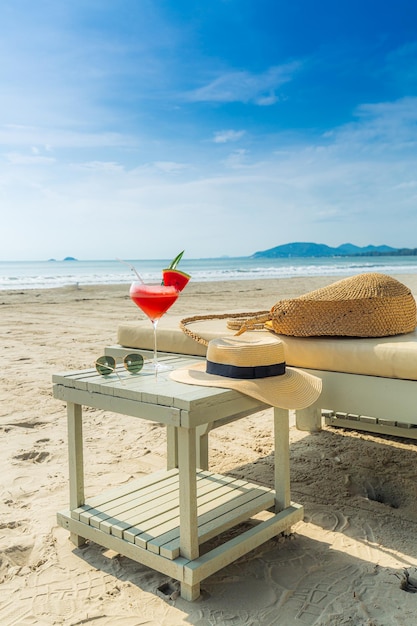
[151, 367]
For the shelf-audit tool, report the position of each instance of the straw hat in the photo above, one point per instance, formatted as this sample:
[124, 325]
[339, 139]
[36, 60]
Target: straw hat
[255, 367]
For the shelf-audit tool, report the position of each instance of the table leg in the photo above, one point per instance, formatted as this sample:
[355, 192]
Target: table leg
[172, 447]
[75, 459]
[188, 504]
[282, 459]
[190, 592]
[202, 441]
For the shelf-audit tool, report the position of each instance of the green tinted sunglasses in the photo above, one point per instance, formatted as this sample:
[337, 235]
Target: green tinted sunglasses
[106, 365]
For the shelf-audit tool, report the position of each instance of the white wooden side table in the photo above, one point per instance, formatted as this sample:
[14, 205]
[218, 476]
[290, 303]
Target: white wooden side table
[162, 520]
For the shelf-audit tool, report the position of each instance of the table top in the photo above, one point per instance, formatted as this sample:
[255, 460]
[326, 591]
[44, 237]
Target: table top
[157, 398]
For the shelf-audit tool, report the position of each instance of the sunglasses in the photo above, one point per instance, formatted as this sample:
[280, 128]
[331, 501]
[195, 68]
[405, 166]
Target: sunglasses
[106, 365]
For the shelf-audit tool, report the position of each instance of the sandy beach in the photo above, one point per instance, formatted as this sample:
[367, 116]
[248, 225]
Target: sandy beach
[345, 564]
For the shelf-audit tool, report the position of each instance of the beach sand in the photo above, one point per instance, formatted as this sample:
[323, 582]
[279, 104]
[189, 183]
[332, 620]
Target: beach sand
[344, 564]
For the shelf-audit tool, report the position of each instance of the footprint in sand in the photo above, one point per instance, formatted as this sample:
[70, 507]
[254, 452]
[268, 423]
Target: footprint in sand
[33, 455]
[18, 555]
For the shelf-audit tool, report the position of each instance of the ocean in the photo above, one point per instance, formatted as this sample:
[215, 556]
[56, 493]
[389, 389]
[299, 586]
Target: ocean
[50, 274]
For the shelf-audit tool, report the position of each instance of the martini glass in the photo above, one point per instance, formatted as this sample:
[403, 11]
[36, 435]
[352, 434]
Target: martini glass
[154, 301]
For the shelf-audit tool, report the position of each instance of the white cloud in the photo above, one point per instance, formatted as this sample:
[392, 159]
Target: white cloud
[17, 158]
[354, 184]
[59, 136]
[224, 136]
[170, 167]
[237, 159]
[100, 166]
[267, 101]
[381, 127]
[246, 87]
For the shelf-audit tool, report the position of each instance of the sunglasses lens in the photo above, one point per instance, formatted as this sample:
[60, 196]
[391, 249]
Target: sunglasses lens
[105, 365]
[133, 363]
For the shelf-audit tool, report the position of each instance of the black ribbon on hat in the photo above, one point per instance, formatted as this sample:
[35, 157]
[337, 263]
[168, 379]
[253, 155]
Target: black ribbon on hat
[236, 371]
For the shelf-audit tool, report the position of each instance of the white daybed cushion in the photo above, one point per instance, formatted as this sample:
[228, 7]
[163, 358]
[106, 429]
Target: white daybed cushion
[390, 357]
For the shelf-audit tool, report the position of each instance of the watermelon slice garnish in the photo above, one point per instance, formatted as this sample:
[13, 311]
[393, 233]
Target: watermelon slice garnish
[175, 278]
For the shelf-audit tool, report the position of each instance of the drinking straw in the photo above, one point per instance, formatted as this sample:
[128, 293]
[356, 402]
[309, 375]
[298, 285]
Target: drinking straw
[133, 268]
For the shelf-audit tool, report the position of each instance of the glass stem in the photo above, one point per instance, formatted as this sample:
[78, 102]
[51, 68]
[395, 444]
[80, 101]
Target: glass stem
[155, 359]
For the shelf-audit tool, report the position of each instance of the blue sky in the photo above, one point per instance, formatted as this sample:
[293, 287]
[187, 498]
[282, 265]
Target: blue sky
[138, 128]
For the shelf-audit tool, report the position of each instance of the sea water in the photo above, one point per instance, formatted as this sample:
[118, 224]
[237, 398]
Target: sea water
[48, 274]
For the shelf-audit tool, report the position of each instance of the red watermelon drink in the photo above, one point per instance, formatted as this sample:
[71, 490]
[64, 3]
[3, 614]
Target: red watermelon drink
[154, 300]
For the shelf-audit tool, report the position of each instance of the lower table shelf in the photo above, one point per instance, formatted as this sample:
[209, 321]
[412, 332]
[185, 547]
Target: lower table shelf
[141, 521]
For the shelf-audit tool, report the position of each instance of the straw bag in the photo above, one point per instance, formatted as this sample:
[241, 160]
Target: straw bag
[366, 305]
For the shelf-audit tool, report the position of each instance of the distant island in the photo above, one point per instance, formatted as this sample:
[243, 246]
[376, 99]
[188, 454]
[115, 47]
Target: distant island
[303, 249]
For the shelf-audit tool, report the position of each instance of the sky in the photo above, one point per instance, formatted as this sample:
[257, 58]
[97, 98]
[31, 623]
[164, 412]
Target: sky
[138, 128]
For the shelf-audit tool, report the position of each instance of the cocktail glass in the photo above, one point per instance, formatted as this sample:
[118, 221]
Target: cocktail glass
[154, 301]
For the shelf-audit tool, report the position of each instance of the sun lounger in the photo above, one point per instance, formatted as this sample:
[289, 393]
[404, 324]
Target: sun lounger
[368, 384]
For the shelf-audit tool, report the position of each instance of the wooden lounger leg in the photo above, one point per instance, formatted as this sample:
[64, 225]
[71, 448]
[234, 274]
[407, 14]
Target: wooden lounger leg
[310, 418]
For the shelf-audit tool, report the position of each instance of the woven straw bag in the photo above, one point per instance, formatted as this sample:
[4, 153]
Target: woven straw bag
[366, 305]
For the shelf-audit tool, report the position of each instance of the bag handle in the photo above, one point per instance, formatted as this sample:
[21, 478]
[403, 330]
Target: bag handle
[236, 321]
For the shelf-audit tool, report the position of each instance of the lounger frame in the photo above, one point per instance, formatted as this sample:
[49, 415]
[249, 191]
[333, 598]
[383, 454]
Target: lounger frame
[380, 405]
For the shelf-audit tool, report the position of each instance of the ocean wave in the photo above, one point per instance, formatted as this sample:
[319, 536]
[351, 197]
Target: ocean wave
[26, 275]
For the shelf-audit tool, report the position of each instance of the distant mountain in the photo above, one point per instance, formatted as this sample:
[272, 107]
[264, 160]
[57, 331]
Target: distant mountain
[395, 252]
[302, 249]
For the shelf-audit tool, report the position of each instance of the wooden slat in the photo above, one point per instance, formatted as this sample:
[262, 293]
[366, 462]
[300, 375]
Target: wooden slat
[207, 500]
[144, 508]
[207, 490]
[125, 406]
[190, 572]
[141, 515]
[380, 427]
[144, 500]
[153, 387]
[205, 565]
[229, 513]
[166, 566]
[130, 487]
[232, 403]
[229, 499]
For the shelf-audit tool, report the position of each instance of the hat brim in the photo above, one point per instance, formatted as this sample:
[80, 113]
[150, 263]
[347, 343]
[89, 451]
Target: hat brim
[293, 390]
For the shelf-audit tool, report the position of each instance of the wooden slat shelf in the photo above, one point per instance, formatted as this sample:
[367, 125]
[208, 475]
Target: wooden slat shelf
[147, 514]
[190, 571]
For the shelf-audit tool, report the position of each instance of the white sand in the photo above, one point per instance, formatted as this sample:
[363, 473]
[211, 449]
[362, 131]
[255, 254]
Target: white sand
[343, 564]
